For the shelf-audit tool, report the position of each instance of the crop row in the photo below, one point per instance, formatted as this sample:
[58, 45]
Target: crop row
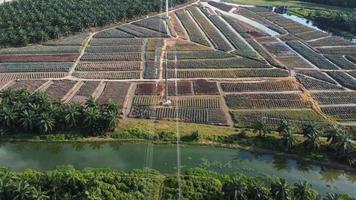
[112, 57]
[29, 85]
[253, 101]
[33, 75]
[39, 49]
[145, 100]
[109, 66]
[186, 55]
[278, 49]
[341, 61]
[236, 40]
[351, 58]
[245, 30]
[218, 63]
[343, 113]
[116, 41]
[316, 84]
[58, 89]
[312, 35]
[315, 58]
[349, 50]
[179, 88]
[294, 62]
[263, 52]
[153, 23]
[75, 40]
[178, 28]
[109, 49]
[181, 45]
[221, 6]
[353, 74]
[335, 97]
[196, 102]
[34, 67]
[113, 33]
[192, 29]
[115, 91]
[84, 92]
[108, 75]
[148, 89]
[329, 41]
[344, 79]
[38, 58]
[210, 116]
[228, 73]
[204, 87]
[275, 117]
[213, 34]
[152, 70]
[141, 32]
[316, 74]
[279, 85]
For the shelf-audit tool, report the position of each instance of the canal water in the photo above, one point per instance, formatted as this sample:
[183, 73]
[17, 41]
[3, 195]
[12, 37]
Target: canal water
[128, 156]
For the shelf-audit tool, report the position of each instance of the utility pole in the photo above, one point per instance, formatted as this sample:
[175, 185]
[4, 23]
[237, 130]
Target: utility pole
[166, 101]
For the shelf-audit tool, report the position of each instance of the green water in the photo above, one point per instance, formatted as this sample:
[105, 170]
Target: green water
[127, 156]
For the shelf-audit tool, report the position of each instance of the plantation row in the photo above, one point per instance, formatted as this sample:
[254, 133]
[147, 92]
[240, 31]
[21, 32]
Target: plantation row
[341, 61]
[187, 55]
[329, 41]
[316, 84]
[112, 57]
[57, 18]
[344, 79]
[109, 66]
[22, 58]
[228, 73]
[335, 97]
[317, 75]
[153, 23]
[84, 92]
[272, 86]
[39, 49]
[115, 41]
[34, 75]
[252, 101]
[30, 85]
[108, 75]
[141, 32]
[342, 113]
[34, 67]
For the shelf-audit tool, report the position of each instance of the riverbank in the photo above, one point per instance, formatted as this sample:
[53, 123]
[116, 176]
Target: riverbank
[165, 132]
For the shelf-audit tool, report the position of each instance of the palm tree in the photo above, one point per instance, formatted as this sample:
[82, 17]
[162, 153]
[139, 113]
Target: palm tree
[343, 145]
[260, 127]
[72, 115]
[333, 134]
[110, 118]
[8, 116]
[46, 123]
[91, 118]
[279, 189]
[236, 190]
[312, 133]
[258, 192]
[303, 190]
[27, 119]
[332, 196]
[284, 125]
[7, 96]
[91, 102]
[288, 138]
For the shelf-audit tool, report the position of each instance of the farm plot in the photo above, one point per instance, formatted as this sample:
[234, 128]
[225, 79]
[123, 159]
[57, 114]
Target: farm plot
[294, 62]
[197, 102]
[194, 32]
[181, 45]
[342, 113]
[29, 85]
[111, 57]
[152, 70]
[33, 75]
[148, 89]
[263, 52]
[178, 28]
[339, 50]
[116, 91]
[75, 40]
[84, 92]
[298, 117]
[244, 29]
[315, 58]
[112, 49]
[39, 49]
[242, 48]
[344, 79]
[108, 75]
[113, 33]
[204, 87]
[141, 32]
[181, 88]
[341, 61]
[316, 74]
[217, 63]
[330, 41]
[109, 66]
[38, 58]
[256, 101]
[116, 41]
[145, 100]
[326, 98]
[59, 89]
[154, 44]
[351, 58]
[250, 73]
[186, 55]
[221, 6]
[278, 49]
[34, 67]
[213, 34]
[267, 86]
[312, 35]
[316, 84]
[153, 23]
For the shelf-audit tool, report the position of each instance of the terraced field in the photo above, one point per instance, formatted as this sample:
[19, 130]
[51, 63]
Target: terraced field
[224, 66]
